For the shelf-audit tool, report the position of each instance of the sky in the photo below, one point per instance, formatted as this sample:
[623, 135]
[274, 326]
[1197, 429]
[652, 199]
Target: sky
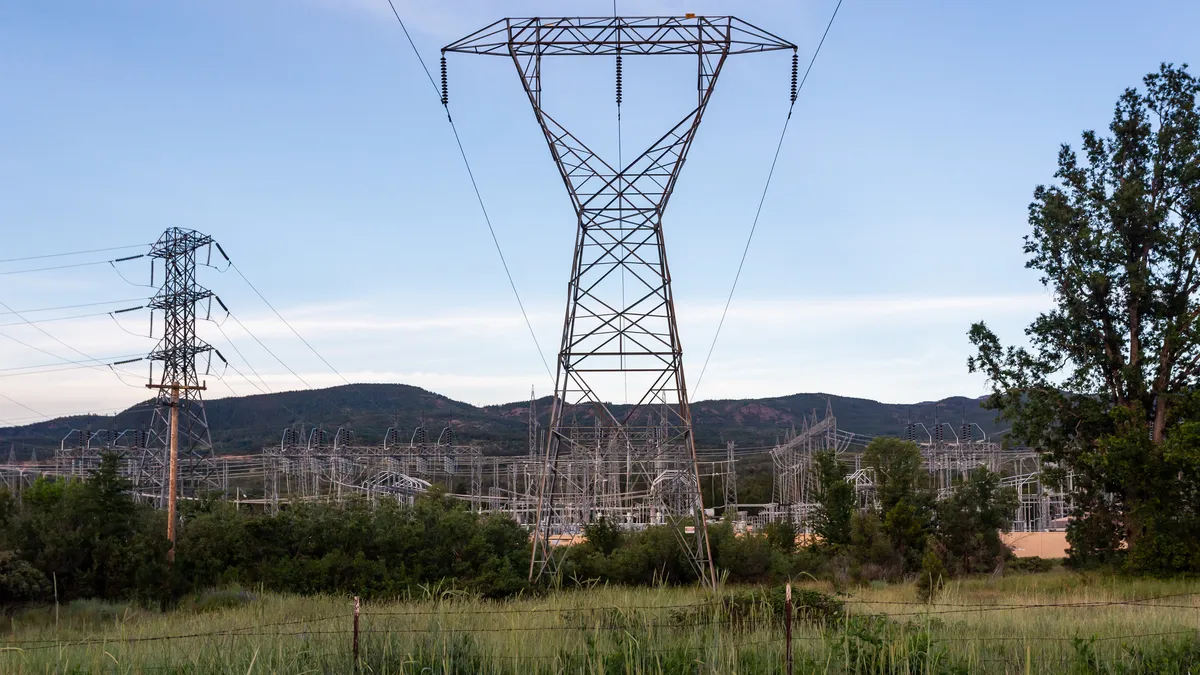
[305, 138]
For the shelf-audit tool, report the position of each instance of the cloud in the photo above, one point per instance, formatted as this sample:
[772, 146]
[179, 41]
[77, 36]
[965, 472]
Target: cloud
[900, 348]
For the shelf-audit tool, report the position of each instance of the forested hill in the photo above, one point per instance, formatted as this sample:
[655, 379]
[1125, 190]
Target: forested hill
[247, 423]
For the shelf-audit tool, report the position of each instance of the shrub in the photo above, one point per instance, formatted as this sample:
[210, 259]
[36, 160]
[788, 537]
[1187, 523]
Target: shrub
[933, 573]
[1032, 564]
[20, 581]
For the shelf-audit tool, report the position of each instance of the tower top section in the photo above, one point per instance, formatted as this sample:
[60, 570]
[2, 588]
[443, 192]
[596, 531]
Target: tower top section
[647, 35]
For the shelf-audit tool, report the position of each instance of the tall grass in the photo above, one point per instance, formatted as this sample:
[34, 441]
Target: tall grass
[636, 631]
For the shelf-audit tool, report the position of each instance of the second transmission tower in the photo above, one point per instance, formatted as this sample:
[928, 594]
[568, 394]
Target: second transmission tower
[178, 453]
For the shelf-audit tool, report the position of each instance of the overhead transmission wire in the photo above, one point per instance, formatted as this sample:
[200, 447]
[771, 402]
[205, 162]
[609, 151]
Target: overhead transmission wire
[767, 186]
[244, 360]
[56, 267]
[443, 94]
[69, 253]
[275, 356]
[102, 412]
[85, 304]
[64, 363]
[65, 318]
[266, 348]
[353, 387]
[265, 388]
[113, 262]
[100, 365]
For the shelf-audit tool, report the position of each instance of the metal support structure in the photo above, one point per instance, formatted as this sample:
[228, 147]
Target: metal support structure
[731, 498]
[177, 352]
[795, 480]
[614, 339]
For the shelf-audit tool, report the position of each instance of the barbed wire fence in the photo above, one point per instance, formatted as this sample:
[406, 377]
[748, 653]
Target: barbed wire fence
[355, 624]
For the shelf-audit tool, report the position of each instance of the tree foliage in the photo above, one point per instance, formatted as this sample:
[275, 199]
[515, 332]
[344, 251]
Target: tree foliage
[970, 520]
[1107, 386]
[836, 502]
[905, 500]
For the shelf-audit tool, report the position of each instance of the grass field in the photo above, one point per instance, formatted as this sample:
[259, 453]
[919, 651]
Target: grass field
[1055, 622]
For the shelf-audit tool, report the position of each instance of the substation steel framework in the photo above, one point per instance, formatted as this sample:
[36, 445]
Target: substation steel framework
[178, 383]
[637, 464]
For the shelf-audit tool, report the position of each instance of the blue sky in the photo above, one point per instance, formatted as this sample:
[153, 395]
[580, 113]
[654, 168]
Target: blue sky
[305, 138]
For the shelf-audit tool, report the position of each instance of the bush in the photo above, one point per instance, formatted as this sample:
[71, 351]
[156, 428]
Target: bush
[216, 600]
[1032, 564]
[933, 573]
[20, 581]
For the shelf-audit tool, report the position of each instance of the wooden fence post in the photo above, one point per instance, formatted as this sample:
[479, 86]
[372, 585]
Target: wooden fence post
[357, 607]
[787, 626]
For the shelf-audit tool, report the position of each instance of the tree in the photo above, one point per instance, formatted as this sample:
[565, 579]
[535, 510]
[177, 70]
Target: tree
[603, 535]
[905, 502]
[835, 499]
[970, 520]
[1110, 375]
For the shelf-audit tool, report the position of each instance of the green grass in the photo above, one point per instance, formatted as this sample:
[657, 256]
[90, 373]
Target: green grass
[635, 631]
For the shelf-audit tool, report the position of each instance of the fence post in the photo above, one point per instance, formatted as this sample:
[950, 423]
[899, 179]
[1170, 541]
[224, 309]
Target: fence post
[357, 607]
[787, 627]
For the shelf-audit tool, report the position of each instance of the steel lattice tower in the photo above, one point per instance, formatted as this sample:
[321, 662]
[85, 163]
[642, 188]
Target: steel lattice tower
[601, 460]
[177, 381]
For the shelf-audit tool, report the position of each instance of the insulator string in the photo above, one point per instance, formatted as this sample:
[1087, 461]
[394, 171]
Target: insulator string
[446, 88]
[795, 73]
[618, 82]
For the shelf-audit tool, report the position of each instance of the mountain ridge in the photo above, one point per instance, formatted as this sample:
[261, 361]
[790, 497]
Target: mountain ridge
[248, 423]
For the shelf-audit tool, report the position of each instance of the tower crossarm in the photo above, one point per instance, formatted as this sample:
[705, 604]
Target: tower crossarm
[647, 35]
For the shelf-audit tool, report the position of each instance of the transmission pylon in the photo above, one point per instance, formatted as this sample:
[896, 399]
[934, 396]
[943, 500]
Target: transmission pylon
[616, 339]
[177, 457]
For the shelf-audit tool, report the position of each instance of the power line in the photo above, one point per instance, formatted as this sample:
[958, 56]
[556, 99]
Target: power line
[276, 357]
[112, 262]
[268, 349]
[86, 304]
[43, 331]
[353, 387]
[56, 267]
[65, 318]
[243, 358]
[59, 255]
[264, 389]
[103, 412]
[478, 195]
[496, 241]
[51, 365]
[281, 404]
[818, 49]
[16, 402]
[767, 186]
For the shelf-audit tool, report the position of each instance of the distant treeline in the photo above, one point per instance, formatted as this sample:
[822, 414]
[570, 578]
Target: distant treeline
[90, 539]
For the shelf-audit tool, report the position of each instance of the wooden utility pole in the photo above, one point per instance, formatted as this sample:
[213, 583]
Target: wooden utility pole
[173, 480]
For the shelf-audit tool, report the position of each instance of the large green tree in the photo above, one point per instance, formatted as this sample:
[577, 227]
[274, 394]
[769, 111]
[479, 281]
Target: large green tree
[1107, 387]
[906, 504]
[835, 502]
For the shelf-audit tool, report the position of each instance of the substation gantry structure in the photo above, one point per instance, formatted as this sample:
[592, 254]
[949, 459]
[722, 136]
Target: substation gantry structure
[637, 465]
[795, 479]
